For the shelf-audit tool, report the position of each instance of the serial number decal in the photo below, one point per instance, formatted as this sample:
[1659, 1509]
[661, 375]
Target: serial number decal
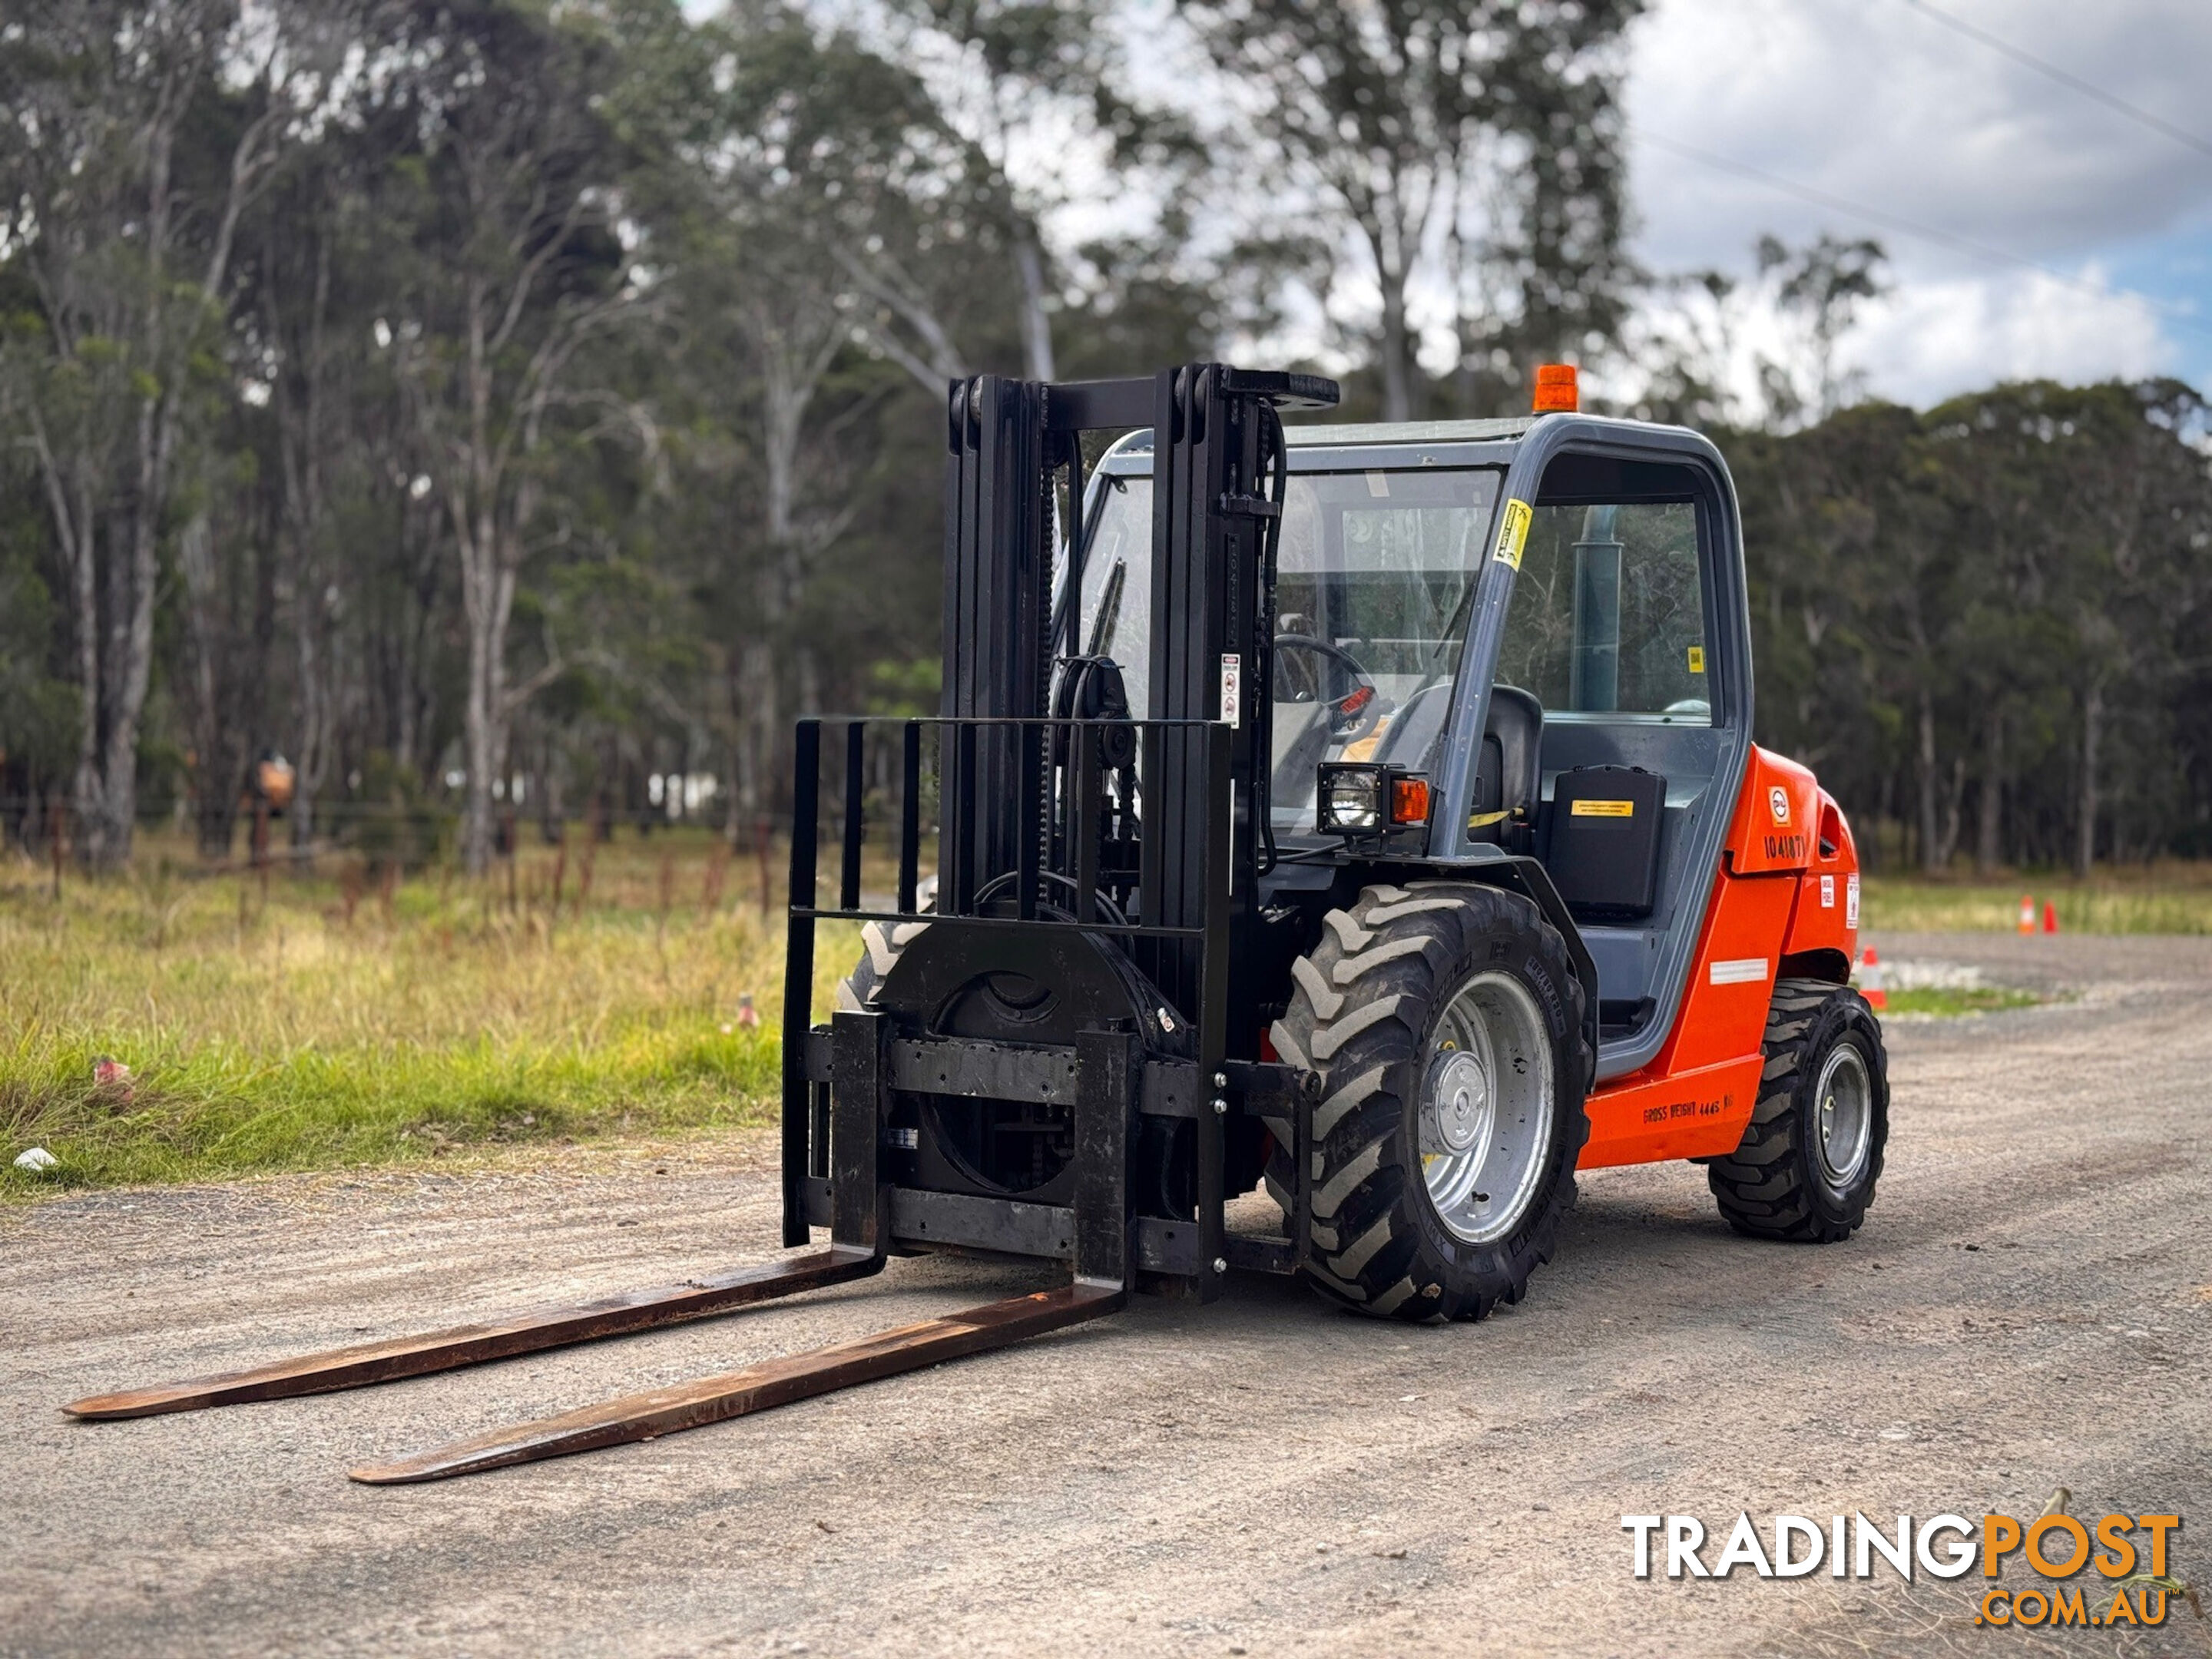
[1675, 1110]
[1779, 847]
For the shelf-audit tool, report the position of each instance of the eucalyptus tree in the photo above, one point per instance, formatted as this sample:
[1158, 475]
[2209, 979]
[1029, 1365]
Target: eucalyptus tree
[1031, 87]
[1471, 148]
[2087, 513]
[516, 206]
[134, 137]
[810, 150]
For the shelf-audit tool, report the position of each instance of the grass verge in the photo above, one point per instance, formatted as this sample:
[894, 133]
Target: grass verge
[316, 1022]
[2171, 897]
[331, 1021]
[1947, 1001]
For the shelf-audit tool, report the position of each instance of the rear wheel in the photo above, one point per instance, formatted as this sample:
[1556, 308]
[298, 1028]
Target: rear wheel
[1806, 1166]
[1446, 1022]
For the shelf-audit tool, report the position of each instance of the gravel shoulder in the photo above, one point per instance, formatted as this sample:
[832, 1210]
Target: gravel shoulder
[2030, 1305]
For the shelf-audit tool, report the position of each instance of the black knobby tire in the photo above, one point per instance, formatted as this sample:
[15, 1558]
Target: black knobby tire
[1364, 1015]
[1775, 1184]
[882, 943]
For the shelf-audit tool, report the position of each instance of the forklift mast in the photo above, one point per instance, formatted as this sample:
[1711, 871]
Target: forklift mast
[1219, 452]
[1112, 862]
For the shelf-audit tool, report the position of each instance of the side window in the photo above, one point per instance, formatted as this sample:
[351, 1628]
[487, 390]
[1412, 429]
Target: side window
[1607, 614]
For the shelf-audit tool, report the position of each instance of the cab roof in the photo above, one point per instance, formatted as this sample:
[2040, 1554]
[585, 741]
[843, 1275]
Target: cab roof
[1390, 444]
[1408, 432]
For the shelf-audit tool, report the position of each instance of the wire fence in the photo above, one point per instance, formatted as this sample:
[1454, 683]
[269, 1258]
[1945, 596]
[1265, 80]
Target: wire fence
[383, 842]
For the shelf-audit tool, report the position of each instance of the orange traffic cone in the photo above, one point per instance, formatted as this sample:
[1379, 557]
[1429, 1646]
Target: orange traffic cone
[2028, 913]
[1869, 978]
[2049, 917]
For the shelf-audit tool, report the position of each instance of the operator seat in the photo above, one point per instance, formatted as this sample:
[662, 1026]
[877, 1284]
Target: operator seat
[1508, 776]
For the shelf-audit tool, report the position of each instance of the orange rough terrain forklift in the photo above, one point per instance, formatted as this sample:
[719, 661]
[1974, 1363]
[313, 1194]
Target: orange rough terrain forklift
[1370, 812]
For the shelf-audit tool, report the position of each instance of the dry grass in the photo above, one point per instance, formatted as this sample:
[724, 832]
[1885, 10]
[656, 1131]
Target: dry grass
[327, 1021]
[2172, 897]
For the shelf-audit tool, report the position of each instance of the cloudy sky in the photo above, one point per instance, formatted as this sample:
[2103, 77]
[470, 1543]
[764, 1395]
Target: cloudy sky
[1876, 103]
[2071, 240]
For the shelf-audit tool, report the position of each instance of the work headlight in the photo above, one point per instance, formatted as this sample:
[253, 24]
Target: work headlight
[1359, 799]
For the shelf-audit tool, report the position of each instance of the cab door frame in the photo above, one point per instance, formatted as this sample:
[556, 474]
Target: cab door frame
[1720, 553]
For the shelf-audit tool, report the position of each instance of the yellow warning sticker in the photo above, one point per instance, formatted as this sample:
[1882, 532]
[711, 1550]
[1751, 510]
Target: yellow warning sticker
[1602, 809]
[1697, 660]
[1513, 533]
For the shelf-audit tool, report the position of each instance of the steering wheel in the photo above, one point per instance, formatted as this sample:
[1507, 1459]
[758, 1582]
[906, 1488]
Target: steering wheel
[1352, 714]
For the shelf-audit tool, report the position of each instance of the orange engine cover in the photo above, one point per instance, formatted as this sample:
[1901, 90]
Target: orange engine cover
[1785, 900]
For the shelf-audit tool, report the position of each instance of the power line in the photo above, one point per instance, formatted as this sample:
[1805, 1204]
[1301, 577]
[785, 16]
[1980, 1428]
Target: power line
[1911, 228]
[2135, 112]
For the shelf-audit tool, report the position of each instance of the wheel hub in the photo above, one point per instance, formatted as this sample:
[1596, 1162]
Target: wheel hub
[1460, 1102]
[1844, 1117]
[1487, 1104]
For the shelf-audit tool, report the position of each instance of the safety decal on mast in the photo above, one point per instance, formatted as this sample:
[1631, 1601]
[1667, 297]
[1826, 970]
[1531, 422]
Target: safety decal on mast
[1513, 533]
[1232, 688]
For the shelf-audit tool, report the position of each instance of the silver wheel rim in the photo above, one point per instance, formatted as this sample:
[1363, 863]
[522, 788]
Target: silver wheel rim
[1843, 1116]
[1486, 1108]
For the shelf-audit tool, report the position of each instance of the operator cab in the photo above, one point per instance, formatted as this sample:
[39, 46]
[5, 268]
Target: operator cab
[1614, 717]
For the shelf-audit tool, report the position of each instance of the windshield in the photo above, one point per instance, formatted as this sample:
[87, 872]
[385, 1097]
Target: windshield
[1371, 600]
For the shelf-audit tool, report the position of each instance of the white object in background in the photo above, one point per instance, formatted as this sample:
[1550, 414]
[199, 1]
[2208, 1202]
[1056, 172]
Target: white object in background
[38, 1161]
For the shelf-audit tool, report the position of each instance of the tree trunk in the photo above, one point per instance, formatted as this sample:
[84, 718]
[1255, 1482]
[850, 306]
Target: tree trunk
[113, 812]
[1954, 801]
[1930, 848]
[2085, 828]
[759, 719]
[301, 437]
[1396, 354]
[1988, 846]
[219, 745]
[84, 585]
[312, 759]
[488, 597]
[1036, 322]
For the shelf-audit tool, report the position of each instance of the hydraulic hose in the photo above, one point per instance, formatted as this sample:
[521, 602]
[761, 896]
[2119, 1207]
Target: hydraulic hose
[1263, 665]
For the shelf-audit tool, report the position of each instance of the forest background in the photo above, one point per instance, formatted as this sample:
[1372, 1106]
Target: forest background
[513, 414]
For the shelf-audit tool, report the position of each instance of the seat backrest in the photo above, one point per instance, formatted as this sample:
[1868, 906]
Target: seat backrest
[1509, 777]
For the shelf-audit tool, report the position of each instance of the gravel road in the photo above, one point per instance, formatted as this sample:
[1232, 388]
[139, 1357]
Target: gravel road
[2030, 1305]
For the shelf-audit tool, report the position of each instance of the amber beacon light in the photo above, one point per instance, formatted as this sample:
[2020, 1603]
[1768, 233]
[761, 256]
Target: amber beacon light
[1555, 389]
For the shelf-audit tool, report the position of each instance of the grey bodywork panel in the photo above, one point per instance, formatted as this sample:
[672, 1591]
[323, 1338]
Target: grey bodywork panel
[1703, 764]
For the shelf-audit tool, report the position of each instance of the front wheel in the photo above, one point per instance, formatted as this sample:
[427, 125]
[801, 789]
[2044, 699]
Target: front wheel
[1446, 1022]
[1806, 1166]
